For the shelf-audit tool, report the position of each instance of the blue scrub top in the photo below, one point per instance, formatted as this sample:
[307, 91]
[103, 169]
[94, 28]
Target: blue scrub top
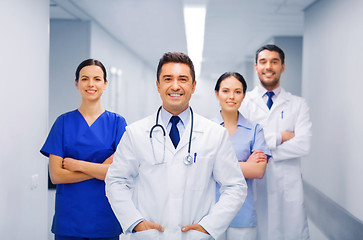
[82, 209]
[247, 138]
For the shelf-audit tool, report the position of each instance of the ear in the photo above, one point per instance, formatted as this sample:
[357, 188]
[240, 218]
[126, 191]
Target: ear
[105, 85]
[194, 84]
[217, 94]
[255, 67]
[283, 68]
[158, 85]
[76, 83]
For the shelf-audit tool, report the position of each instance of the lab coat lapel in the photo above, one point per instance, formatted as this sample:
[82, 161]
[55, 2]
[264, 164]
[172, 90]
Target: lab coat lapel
[280, 100]
[257, 99]
[184, 140]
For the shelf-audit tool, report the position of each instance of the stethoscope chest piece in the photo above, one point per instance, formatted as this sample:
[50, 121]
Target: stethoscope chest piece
[188, 159]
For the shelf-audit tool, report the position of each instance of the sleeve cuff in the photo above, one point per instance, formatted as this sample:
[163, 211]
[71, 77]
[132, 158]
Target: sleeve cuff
[131, 228]
[278, 139]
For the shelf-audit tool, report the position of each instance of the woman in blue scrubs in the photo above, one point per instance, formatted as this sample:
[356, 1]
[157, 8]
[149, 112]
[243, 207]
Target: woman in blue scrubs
[80, 147]
[249, 144]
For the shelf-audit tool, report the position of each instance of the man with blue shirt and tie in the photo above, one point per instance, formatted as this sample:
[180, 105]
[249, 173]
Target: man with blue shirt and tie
[162, 182]
[287, 127]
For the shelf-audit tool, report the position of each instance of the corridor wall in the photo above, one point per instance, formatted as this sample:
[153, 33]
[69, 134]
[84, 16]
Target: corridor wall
[24, 47]
[135, 80]
[332, 84]
[131, 78]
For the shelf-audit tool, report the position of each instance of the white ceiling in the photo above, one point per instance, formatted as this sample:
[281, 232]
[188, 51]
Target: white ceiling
[234, 29]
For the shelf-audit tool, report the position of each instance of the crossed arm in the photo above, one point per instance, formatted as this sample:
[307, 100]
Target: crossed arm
[69, 170]
[255, 166]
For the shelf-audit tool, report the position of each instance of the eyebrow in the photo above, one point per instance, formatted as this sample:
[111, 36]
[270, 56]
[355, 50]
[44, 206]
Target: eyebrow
[185, 76]
[265, 59]
[88, 76]
[230, 88]
[179, 76]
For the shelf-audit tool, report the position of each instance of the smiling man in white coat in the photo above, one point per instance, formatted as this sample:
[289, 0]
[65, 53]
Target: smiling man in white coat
[286, 123]
[162, 182]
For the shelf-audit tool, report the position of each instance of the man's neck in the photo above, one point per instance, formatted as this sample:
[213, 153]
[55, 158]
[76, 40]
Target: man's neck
[270, 88]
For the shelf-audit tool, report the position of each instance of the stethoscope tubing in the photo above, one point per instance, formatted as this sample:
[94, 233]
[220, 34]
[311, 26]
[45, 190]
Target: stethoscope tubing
[188, 158]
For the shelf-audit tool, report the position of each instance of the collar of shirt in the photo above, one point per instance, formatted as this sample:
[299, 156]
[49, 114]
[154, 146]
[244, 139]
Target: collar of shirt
[241, 122]
[184, 120]
[262, 92]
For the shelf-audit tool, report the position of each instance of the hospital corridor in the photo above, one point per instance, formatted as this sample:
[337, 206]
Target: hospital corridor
[43, 41]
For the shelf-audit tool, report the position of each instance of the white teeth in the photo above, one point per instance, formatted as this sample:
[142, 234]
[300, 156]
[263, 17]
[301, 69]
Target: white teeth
[175, 95]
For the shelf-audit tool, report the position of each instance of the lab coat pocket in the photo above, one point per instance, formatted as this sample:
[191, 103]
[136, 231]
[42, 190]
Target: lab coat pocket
[199, 173]
[151, 234]
[286, 121]
[196, 235]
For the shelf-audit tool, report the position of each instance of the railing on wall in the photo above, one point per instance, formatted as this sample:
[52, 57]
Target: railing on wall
[334, 222]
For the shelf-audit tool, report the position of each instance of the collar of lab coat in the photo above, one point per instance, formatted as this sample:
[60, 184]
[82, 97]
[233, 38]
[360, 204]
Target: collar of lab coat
[184, 139]
[283, 97]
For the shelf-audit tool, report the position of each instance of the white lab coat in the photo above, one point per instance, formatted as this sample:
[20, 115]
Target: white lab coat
[280, 200]
[173, 194]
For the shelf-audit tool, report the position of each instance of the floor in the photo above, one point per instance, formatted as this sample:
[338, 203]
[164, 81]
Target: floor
[315, 233]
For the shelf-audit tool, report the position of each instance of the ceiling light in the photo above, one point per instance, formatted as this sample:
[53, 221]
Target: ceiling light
[194, 18]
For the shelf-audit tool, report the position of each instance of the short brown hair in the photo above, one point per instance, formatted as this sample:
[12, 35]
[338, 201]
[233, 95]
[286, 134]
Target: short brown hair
[175, 57]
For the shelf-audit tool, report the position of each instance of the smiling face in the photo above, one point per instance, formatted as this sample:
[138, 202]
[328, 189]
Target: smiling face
[91, 83]
[175, 87]
[230, 94]
[269, 68]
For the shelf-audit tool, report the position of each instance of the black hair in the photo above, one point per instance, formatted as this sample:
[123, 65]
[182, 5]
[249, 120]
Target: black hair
[272, 48]
[225, 75]
[91, 62]
[175, 57]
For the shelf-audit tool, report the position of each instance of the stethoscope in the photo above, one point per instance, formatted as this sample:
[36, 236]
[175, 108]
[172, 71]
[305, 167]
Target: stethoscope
[188, 159]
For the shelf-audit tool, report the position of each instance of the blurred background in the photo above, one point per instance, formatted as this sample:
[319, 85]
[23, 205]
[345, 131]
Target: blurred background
[43, 41]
